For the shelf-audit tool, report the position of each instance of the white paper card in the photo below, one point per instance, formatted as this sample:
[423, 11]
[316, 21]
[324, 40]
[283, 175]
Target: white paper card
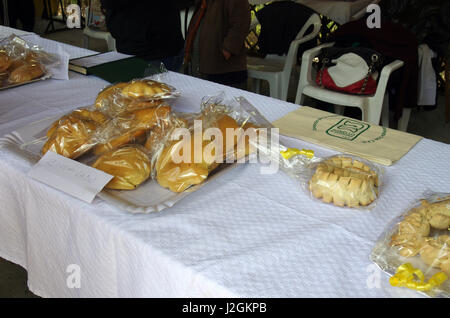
[69, 176]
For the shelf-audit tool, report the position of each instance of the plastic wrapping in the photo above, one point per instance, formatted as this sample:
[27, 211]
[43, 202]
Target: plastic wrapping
[71, 135]
[130, 166]
[415, 248]
[21, 62]
[218, 135]
[133, 95]
[345, 181]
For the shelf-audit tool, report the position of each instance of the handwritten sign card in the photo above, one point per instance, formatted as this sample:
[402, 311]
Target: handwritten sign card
[69, 176]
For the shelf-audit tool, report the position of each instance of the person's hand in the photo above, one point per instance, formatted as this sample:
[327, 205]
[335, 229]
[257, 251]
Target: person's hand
[226, 54]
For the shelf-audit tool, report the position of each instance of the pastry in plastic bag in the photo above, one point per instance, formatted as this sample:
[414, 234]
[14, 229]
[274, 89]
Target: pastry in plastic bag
[26, 72]
[435, 252]
[71, 138]
[438, 214]
[82, 113]
[177, 171]
[129, 165]
[411, 233]
[146, 89]
[129, 127]
[344, 181]
[5, 61]
[107, 94]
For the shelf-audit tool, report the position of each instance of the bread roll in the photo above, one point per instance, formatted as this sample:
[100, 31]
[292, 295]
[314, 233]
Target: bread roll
[344, 182]
[71, 138]
[438, 214]
[5, 62]
[106, 94]
[129, 165]
[131, 126]
[147, 89]
[178, 171]
[85, 114]
[25, 73]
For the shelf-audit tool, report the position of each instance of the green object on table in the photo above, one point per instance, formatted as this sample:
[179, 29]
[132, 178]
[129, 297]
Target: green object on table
[123, 70]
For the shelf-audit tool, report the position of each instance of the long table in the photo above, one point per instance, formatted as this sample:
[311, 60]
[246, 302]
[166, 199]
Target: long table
[245, 234]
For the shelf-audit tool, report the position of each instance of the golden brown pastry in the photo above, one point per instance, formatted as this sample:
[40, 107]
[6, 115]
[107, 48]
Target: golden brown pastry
[71, 138]
[84, 114]
[438, 214]
[436, 252]
[178, 171]
[412, 232]
[178, 176]
[344, 182]
[25, 73]
[16, 63]
[146, 89]
[132, 126]
[129, 165]
[107, 93]
[5, 62]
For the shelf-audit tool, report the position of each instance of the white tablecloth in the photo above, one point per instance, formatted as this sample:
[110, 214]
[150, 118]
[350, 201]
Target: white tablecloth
[245, 234]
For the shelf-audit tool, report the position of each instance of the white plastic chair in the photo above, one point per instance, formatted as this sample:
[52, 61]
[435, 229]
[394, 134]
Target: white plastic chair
[277, 69]
[371, 106]
[102, 35]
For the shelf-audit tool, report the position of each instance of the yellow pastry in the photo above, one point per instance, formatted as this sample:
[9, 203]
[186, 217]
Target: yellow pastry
[344, 182]
[129, 165]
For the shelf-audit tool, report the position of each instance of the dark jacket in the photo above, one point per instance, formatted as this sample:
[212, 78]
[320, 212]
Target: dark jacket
[149, 29]
[225, 25]
[280, 24]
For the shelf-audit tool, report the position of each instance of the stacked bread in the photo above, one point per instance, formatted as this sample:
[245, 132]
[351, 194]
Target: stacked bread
[344, 181]
[116, 136]
[412, 236]
[130, 130]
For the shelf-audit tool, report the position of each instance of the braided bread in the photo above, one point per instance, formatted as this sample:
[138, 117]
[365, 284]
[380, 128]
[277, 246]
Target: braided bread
[344, 182]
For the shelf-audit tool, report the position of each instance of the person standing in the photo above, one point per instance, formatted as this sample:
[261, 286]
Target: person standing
[215, 43]
[150, 30]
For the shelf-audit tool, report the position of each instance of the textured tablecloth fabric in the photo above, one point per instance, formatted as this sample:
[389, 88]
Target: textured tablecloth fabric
[243, 235]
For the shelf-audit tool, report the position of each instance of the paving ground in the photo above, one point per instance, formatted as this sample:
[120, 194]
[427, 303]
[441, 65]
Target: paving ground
[429, 124]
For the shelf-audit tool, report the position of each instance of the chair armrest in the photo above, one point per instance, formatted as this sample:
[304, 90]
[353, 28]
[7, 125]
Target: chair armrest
[384, 76]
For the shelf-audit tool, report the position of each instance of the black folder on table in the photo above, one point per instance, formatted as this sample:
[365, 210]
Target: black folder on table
[123, 69]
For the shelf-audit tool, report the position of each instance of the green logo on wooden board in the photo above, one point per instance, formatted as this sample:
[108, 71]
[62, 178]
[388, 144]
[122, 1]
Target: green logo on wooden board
[347, 129]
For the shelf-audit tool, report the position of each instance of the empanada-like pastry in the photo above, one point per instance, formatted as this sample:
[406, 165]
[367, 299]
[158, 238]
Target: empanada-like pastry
[129, 165]
[85, 114]
[178, 171]
[106, 94]
[5, 62]
[131, 126]
[436, 252]
[344, 182]
[25, 73]
[146, 89]
[71, 138]
[438, 214]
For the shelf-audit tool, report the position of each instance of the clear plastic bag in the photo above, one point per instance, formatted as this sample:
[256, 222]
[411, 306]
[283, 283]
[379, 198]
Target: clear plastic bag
[72, 135]
[217, 136]
[22, 62]
[343, 180]
[136, 94]
[415, 248]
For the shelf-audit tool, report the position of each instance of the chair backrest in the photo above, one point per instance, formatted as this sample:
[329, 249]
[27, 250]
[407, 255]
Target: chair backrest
[316, 23]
